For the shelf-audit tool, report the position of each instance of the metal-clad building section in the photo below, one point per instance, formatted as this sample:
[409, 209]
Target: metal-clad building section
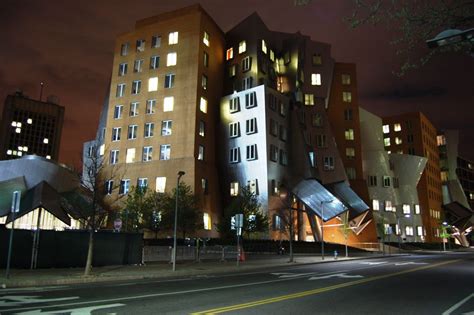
[320, 200]
[350, 199]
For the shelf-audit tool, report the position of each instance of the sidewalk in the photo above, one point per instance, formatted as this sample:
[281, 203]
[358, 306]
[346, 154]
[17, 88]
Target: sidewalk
[45, 277]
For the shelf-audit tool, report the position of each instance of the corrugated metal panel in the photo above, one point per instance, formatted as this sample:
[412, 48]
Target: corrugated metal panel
[319, 199]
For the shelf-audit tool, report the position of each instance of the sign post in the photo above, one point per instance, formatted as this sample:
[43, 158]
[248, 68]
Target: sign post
[239, 223]
[14, 209]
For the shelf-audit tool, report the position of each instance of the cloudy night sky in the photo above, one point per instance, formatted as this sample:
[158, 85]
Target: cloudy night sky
[68, 45]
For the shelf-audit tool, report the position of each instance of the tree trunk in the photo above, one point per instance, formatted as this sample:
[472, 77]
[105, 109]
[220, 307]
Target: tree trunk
[90, 251]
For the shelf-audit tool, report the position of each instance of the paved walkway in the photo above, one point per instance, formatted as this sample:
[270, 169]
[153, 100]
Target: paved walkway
[45, 277]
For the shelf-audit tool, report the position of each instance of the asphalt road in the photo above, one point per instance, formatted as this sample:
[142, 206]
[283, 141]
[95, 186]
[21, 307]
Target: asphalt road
[416, 284]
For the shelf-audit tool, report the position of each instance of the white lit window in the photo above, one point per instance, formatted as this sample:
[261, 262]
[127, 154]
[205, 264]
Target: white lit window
[417, 209]
[173, 38]
[45, 140]
[18, 130]
[234, 104]
[346, 97]
[9, 152]
[375, 204]
[114, 156]
[264, 46]
[118, 110]
[205, 39]
[201, 153]
[388, 205]
[153, 84]
[136, 86]
[149, 129]
[124, 186]
[165, 151]
[253, 188]
[132, 132]
[166, 127]
[346, 79]
[315, 79]
[168, 104]
[272, 55]
[349, 134]
[309, 99]
[419, 230]
[207, 221]
[160, 184]
[102, 150]
[234, 129]
[234, 156]
[406, 209]
[386, 128]
[252, 152]
[116, 133]
[133, 109]
[229, 53]
[147, 153]
[398, 140]
[130, 158]
[47, 156]
[350, 153]
[242, 47]
[409, 230]
[251, 126]
[150, 106]
[171, 59]
[386, 142]
[203, 105]
[234, 188]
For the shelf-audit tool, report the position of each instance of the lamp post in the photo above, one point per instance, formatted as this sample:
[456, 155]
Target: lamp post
[400, 231]
[180, 174]
[322, 226]
[284, 195]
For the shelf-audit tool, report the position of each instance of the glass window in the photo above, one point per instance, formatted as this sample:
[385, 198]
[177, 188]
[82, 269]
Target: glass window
[317, 60]
[201, 153]
[348, 114]
[109, 186]
[386, 142]
[406, 209]
[132, 132]
[398, 140]
[120, 90]
[142, 182]
[346, 79]
[138, 65]
[114, 156]
[160, 184]
[346, 97]
[328, 163]
[205, 39]
[234, 129]
[234, 156]
[166, 127]
[122, 69]
[136, 86]
[417, 209]
[165, 151]
[130, 157]
[234, 104]
[242, 47]
[229, 54]
[154, 62]
[250, 100]
[315, 79]
[246, 63]
[386, 128]
[173, 38]
[252, 152]
[232, 70]
[309, 99]
[251, 126]
[203, 105]
[206, 59]
[273, 153]
[321, 140]
[247, 83]
[149, 129]
[202, 128]
[349, 134]
[171, 59]
[168, 104]
[169, 80]
[386, 181]
[397, 127]
[234, 188]
[206, 218]
[375, 204]
[264, 46]
[153, 84]
[150, 106]
[351, 173]
[116, 133]
[155, 41]
[124, 186]
[133, 109]
[147, 154]
[350, 153]
[118, 111]
[124, 49]
[204, 82]
[140, 45]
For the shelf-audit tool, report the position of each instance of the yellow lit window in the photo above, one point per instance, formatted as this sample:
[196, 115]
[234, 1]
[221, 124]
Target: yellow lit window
[171, 59]
[153, 84]
[346, 79]
[386, 128]
[347, 97]
[168, 104]
[229, 53]
[205, 39]
[397, 127]
[264, 46]
[203, 105]
[173, 38]
[207, 221]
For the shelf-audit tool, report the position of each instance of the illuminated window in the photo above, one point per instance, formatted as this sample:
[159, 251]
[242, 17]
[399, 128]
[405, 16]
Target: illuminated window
[130, 158]
[234, 188]
[136, 86]
[171, 59]
[234, 156]
[234, 129]
[386, 128]
[229, 53]
[388, 205]
[386, 142]
[169, 80]
[154, 62]
[124, 186]
[165, 151]
[207, 221]
[155, 41]
[173, 38]
[114, 157]
[349, 134]
[375, 204]
[417, 209]
[203, 105]
[419, 230]
[166, 127]
[397, 127]
[350, 153]
[205, 39]
[315, 79]
[150, 106]
[132, 132]
[242, 47]
[309, 99]
[312, 160]
[406, 209]
[202, 128]
[205, 185]
[147, 154]
[409, 230]
[272, 55]
[264, 47]
[45, 140]
[346, 97]
[47, 156]
[168, 104]
[346, 79]
[201, 153]
[160, 184]
[440, 140]
[153, 84]
[253, 188]
[133, 109]
[398, 140]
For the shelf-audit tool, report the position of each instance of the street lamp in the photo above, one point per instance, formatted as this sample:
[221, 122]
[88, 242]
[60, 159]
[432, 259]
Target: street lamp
[400, 231]
[322, 226]
[180, 174]
[284, 197]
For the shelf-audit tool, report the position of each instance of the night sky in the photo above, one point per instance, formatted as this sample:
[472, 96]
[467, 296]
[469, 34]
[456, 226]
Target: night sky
[69, 46]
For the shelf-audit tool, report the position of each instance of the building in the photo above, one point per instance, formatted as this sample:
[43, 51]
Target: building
[414, 134]
[30, 127]
[163, 104]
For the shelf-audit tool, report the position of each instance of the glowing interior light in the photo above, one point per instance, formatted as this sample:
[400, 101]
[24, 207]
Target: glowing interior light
[45, 140]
